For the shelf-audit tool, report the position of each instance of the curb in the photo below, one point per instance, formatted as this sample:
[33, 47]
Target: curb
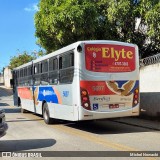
[138, 122]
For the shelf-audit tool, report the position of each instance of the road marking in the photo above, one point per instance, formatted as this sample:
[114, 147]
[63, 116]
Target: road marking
[96, 139]
[90, 137]
[93, 138]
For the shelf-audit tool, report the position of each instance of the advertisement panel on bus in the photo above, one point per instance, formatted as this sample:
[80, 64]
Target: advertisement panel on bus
[109, 58]
[110, 95]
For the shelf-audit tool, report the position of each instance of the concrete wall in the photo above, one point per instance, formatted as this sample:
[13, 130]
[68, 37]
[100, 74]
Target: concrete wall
[150, 90]
[7, 77]
[1, 79]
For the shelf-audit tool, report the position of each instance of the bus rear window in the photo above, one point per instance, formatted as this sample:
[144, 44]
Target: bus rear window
[109, 58]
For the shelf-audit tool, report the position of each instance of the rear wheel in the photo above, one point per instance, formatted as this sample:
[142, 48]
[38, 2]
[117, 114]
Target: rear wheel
[19, 102]
[46, 115]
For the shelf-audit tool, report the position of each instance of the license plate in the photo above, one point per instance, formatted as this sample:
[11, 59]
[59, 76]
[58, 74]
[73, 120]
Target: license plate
[113, 106]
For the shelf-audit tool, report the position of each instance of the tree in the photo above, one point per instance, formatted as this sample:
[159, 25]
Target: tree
[23, 58]
[61, 22]
[124, 16]
[152, 19]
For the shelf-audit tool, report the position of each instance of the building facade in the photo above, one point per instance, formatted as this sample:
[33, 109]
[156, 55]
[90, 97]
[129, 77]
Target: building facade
[7, 77]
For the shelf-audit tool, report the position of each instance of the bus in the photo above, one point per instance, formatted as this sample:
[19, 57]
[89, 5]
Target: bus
[86, 80]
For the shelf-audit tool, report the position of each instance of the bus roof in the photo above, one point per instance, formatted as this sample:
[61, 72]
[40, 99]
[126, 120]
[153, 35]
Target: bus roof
[72, 47]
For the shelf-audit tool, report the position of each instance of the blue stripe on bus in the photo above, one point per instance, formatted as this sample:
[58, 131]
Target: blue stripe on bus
[47, 94]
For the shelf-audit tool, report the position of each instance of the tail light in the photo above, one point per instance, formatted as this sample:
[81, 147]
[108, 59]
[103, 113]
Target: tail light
[85, 99]
[136, 97]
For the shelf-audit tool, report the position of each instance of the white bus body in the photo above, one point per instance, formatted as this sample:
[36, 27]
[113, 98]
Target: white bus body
[83, 81]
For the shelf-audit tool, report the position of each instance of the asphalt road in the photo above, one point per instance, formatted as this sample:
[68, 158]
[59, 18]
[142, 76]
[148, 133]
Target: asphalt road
[28, 132]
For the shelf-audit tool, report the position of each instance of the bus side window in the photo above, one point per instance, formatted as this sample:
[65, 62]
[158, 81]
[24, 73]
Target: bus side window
[72, 59]
[53, 70]
[18, 76]
[36, 74]
[40, 67]
[50, 64]
[30, 80]
[25, 80]
[44, 75]
[45, 66]
[66, 66]
[60, 62]
[55, 64]
[35, 70]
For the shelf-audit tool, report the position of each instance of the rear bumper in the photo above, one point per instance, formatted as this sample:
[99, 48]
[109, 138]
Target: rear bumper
[3, 129]
[90, 115]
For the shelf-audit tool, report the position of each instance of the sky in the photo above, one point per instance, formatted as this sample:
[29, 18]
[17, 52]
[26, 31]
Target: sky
[17, 31]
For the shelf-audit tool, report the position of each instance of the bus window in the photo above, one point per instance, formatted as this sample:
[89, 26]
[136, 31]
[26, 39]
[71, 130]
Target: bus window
[72, 59]
[29, 70]
[44, 66]
[66, 66]
[66, 61]
[40, 67]
[50, 64]
[36, 74]
[53, 71]
[25, 79]
[55, 64]
[35, 70]
[44, 75]
[30, 81]
[60, 62]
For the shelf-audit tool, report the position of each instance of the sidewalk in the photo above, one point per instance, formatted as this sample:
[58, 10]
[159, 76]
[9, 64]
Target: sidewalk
[6, 97]
[138, 121]
[2, 86]
[8, 90]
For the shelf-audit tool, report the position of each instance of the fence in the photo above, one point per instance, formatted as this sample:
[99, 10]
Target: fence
[150, 60]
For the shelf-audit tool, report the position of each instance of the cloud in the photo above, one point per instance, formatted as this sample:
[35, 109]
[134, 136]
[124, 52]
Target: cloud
[32, 8]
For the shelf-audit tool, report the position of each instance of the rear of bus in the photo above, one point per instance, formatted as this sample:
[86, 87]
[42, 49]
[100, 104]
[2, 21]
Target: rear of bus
[109, 80]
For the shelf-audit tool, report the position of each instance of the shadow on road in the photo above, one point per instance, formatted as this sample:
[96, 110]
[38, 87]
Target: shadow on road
[9, 109]
[5, 92]
[25, 120]
[4, 104]
[97, 127]
[27, 144]
[104, 127]
[12, 110]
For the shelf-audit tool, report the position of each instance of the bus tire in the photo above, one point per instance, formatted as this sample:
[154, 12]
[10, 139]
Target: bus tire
[46, 115]
[19, 102]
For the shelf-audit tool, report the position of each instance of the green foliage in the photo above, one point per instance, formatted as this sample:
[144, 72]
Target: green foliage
[152, 18]
[23, 58]
[61, 22]
[126, 13]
